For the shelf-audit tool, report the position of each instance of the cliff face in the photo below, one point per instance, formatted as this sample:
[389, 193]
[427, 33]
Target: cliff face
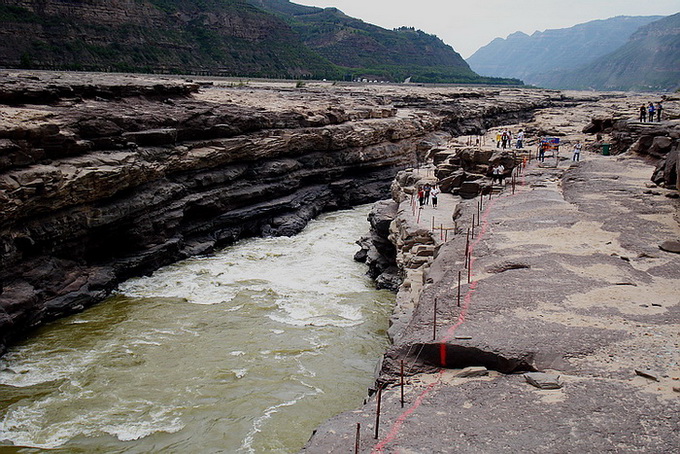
[227, 36]
[116, 175]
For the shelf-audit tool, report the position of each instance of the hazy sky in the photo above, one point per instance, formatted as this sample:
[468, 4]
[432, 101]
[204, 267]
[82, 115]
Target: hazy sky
[469, 25]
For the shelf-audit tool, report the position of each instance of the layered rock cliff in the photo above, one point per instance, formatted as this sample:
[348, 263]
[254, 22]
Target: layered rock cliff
[107, 177]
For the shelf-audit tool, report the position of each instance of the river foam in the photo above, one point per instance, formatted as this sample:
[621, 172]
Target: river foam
[244, 351]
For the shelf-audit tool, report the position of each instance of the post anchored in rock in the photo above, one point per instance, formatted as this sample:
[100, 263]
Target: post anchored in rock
[467, 248]
[434, 320]
[459, 277]
[377, 412]
[473, 227]
[441, 232]
[433, 223]
[357, 442]
[402, 383]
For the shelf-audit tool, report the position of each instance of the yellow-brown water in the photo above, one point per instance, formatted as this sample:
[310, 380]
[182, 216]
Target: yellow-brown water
[246, 351]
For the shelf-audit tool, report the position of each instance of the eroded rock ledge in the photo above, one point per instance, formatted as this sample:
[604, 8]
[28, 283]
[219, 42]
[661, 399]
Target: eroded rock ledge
[104, 177]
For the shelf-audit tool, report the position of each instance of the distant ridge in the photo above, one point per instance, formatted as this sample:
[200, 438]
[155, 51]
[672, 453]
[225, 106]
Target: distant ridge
[554, 51]
[650, 60]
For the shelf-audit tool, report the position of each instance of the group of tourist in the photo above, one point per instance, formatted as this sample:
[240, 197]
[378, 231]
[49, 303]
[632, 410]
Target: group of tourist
[428, 193]
[504, 139]
[647, 112]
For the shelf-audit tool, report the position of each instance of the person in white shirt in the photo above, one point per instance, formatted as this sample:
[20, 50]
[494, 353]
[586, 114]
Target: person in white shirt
[520, 138]
[433, 194]
[577, 152]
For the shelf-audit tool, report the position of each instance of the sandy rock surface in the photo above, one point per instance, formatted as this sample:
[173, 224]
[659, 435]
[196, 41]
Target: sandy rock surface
[567, 278]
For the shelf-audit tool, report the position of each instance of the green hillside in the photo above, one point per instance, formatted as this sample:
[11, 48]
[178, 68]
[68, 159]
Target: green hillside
[243, 38]
[374, 52]
[228, 37]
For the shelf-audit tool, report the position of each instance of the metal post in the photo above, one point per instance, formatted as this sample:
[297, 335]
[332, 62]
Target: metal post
[459, 276]
[402, 383]
[357, 443]
[377, 413]
[434, 320]
[467, 247]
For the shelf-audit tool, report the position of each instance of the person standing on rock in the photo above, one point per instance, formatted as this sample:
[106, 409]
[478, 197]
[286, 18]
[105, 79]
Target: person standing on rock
[498, 139]
[658, 111]
[421, 196]
[650, 112]
[577, 152]
[643, 114]
[435, 193]
[520, 138]
[427, 189]
[496, 173]
[541, 151]
[504, 140]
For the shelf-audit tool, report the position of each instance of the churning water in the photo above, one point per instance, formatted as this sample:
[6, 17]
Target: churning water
[246, 351]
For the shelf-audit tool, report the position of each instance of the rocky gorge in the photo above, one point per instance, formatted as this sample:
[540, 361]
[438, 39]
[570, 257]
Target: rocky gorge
[105, 177]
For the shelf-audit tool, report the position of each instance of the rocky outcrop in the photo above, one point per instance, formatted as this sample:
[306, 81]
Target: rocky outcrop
[104, 177]
[377, 251]
[94, 191]
[658, 142]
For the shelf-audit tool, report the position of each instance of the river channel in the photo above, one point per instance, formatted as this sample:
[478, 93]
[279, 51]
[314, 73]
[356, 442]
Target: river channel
[243, 351]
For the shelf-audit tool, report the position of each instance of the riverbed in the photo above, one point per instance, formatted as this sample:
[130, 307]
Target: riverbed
[244, 351]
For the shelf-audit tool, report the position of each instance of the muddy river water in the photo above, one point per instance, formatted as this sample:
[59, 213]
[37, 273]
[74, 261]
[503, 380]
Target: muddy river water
[244, 351]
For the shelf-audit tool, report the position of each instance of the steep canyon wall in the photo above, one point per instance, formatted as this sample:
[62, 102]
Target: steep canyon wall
[107, 177]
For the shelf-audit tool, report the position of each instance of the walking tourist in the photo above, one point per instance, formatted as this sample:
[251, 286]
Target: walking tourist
[520, 138]
[421, 196]
[435, 193]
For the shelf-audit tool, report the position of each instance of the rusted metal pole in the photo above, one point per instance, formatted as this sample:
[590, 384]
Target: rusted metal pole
[467, 247]
[470, 269]
[357, 443]
[459, 276]
[434, 320]
[433, 223]
[402, 383]
[473, 228]
[441, 232]
[377, 413]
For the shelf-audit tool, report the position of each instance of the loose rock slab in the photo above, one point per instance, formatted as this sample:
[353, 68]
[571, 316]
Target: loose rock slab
[542, 380]
[670, 246]
[473, 371]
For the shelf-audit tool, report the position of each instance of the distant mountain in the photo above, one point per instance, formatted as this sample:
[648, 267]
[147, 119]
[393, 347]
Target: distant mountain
[372, 50]
[650, 60]
[249, 38]
[557, 50]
